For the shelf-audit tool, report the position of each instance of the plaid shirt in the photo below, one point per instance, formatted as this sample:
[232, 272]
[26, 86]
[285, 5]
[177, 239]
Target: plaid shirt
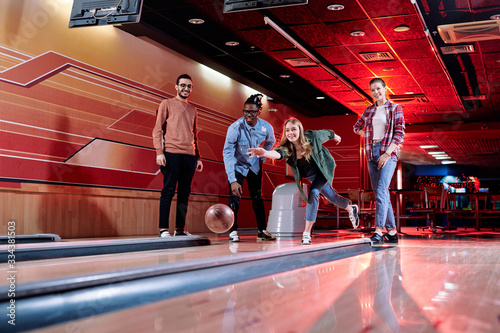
[394, 132]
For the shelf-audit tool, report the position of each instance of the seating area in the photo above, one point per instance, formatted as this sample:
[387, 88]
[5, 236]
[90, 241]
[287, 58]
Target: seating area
[432, 208]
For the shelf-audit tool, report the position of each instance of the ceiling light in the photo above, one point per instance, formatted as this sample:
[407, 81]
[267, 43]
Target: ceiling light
[232, 43]
[442, 157]
[388, 69]
[402, 28]
[320, 97]
[429, 146]
[437, 153]
[357, 33]
[335, 6]
[411, 93]
[495, 17]
[335, 85]
[196, 21]
[285, 76]
[448, 162]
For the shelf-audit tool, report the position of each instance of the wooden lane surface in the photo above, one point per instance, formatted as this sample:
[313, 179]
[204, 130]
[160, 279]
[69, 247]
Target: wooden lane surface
[29, 271]
[421, 286]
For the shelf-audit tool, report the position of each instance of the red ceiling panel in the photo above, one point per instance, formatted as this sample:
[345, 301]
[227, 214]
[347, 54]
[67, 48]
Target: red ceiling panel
[330, 85]
[299, 15]
[313, 73]
[413, 49]
[375, 8]
[352, 11]
[337, 55]
[382, 68]
[355, 70]
[316, 35]
[423, 65]
[266, 39]
[344, 29]
[442, 91]
[386, 26]
[432, 80]
[399, 81]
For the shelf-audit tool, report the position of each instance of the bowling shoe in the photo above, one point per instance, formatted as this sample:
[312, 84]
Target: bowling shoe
[181, 233]
[265, 235]
[306, 238]
[164, 234]
[233, 236]
[376, 239]
[393, 239]
[353, 216]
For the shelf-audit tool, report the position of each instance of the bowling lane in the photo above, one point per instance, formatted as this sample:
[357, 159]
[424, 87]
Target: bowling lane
[424, 285]
[29, 271]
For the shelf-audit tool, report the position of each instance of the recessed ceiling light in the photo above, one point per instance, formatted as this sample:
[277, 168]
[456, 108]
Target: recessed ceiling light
[402, 28]
[285, 76]
[335, 6]
[320, 97]
[495, 17]
[439, 157]
[448, 162]
[388, 69]
[428, 146]
[411, 93]
[437, 153]
[357, 33]
[196, 21]
[335, 85]
[232, 43]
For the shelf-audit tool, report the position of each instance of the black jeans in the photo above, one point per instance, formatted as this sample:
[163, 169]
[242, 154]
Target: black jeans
[178, 171]
[254, 182]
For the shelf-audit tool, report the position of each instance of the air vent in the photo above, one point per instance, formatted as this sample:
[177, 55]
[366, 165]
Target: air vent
[414, 98]
[376, 56]
[300, 62]
[470, 32]
[455, 49]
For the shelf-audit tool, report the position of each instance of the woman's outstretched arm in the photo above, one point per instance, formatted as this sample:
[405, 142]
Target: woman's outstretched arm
[261, 152]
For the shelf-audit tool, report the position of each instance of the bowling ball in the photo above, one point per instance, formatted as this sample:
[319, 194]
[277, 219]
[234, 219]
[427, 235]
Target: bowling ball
[219, 218]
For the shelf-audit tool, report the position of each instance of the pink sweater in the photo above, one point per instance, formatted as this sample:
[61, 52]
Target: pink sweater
[175, 129]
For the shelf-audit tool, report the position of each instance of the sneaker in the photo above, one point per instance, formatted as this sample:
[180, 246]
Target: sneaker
[181, 233]
[306, 239]
[265, 235]
[376, 239]
[233, 236]
[164, 234]
[353, 216]
[393, 239]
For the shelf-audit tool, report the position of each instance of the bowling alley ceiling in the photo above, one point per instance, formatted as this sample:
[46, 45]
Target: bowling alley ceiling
[319, 61]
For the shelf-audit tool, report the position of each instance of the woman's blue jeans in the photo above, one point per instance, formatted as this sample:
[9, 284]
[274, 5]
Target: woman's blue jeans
[381, 179]
[319, 185]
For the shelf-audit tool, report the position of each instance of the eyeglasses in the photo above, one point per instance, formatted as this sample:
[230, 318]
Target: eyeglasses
[183, 85]
[249, 112]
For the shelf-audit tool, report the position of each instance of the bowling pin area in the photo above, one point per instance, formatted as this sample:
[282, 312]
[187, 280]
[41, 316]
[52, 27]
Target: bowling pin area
[429, 283]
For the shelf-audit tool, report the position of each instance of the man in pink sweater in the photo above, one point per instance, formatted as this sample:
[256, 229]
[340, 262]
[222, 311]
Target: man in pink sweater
[176, 142]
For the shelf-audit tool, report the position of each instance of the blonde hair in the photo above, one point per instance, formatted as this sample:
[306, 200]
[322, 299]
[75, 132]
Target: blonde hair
[304, 143]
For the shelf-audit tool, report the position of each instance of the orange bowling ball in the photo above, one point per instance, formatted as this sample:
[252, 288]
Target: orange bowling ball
[219, 218]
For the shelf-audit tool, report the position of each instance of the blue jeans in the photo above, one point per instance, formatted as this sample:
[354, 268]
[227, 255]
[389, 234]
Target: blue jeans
[320, 185]
[381, 179]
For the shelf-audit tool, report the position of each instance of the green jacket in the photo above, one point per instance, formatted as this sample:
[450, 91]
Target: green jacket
[320, 155]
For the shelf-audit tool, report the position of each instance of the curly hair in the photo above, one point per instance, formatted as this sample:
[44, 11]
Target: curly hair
[255, 99]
